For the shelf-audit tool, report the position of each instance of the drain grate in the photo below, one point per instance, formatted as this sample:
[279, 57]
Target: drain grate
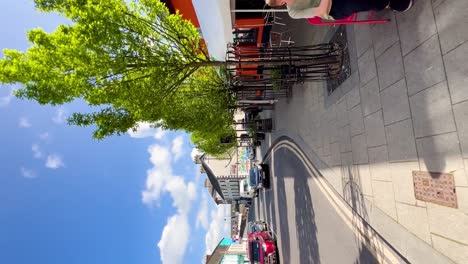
[340, 36]
[435, 187]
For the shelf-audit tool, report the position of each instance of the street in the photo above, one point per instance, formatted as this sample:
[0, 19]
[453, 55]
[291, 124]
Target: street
[308, 227]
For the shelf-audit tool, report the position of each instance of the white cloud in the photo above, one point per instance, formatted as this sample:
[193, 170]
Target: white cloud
[36, 151]
[5, 100]
[54, 162]
[176, 149]
[60, 116]
[202, 215]
[195, 152]
[219, 227]
[145, 129]
[44, 136]
[160, 178]
[174, 239]
[24, 122]
[27, 173]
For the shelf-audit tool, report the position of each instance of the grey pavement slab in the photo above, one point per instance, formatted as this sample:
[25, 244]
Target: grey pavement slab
[401, 141]
[395, 103]
[375, 133]
[356, 120]
[461, 117]
[342, 113]
[384, 35]
[432, 111]
[457, 73]
[440, 153]
[384, 197]
[415, 219]
[359, 148]
[353, 97]
[402, 178]
[370, 97]
[390, 66]
[367, 68]
[424, 66]
[365, 179]
[378, 163]
[416, 25]
[363, 38]
[452, 23]
[345, 138]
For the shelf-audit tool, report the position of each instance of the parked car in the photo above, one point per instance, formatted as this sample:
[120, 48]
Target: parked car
[251, 152]
[246, 190]
[259, 176]
[261, 248]
[257, 226]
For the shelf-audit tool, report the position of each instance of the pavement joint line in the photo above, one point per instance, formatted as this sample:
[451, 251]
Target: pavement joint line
[343, 210]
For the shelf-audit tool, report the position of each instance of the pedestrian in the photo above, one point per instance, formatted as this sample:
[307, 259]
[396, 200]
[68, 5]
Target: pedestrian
[337, 9]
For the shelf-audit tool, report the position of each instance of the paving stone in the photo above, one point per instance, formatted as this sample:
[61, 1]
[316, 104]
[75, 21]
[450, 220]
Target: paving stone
[370, 97]
[375, 132]
[457, 73]
[402, 177]
[342, 114]
[452, 23]
[455, 251]
[462, 197]
[345, 139]
[378, 164]
[461, 117]
[424, 66]
[415, 220]
[351, 82]
[362, 34]
[439, 153]
[356, 120]
[416, 25]
[400, 140]
[448, 222]
[384, 198]
[384, 35]
[367, 68]
[335, 154]
[432, 111]
[365, 179]
[395, 103]
[359, 147]
[353, 98]
[390, 66]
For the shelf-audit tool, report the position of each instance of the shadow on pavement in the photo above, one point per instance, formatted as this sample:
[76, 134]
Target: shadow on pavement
[289, 165]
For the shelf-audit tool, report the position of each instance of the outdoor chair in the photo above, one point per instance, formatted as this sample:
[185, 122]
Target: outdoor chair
[351, 20]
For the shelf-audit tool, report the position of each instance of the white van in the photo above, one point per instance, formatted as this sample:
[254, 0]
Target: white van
[245, 190]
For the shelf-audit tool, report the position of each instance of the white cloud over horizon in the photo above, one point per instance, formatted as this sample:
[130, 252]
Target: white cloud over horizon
[161, 179]
[145, 130]
[27, 173]
[54, 161]
[24, 122]
[177, 149]
[202, 215]
[219, 226]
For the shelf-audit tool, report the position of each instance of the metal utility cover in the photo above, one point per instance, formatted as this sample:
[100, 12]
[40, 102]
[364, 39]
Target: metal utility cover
[435, 187]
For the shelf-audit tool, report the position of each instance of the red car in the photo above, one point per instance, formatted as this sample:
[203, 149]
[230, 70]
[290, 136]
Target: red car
[261, 248]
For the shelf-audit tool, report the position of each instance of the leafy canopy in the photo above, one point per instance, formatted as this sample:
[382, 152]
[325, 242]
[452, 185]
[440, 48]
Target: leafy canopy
[133, 61]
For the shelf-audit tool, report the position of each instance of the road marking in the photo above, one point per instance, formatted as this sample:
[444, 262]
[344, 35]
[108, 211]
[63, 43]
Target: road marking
[367, 236]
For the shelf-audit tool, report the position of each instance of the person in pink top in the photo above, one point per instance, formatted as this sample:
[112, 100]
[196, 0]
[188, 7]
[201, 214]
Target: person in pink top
[337, 9]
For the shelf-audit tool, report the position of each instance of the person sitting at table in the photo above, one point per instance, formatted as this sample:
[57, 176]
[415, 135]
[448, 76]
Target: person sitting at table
[337, 9]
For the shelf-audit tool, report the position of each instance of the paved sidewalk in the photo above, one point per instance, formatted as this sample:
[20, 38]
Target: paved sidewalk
[404, 109]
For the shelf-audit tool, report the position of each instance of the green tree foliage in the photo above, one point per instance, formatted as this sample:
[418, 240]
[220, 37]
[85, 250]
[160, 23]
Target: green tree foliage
[131, 61]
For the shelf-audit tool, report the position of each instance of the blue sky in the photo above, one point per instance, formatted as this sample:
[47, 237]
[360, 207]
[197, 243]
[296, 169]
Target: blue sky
[67, 198]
